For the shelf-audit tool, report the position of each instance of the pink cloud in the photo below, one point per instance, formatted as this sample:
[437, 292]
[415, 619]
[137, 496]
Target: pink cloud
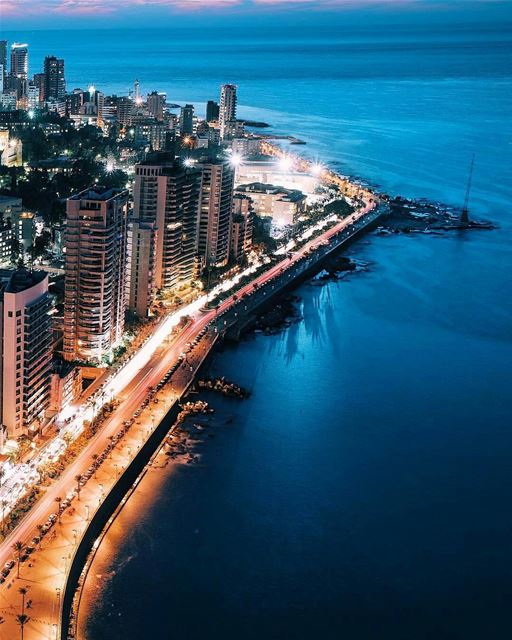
[85, 7]
[20, 8]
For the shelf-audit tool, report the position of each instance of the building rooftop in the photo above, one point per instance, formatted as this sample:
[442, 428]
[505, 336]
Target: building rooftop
[20, 279]
[98, 192]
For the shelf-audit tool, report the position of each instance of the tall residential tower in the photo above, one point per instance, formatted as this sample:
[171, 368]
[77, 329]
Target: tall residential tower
[95, 273]
[215, 210]
[26, 350]
[227, 111]
[54, 82]
[166, 195]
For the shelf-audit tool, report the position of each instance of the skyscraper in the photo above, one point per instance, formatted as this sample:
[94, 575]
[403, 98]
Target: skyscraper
[216, 204]
[212, 111]
[54, 82]
[26, 350]
[166, 194]
[19, 61]
[3, 61]
[227, 112]
[141, 287]
[187, 120]
[156, 104]
[241, 227]
[95, 273]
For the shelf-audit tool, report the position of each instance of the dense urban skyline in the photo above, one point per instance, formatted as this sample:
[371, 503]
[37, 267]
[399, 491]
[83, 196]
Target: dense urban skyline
[324, 177]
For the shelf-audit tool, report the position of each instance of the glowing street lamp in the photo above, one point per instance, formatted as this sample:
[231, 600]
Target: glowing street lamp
[285, 163]
[317, 169]
[235, 159]
[188, 162]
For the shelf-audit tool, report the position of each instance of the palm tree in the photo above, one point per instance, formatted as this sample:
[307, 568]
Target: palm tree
[58, 500]
[23, 591]
[78, 479]
[3, 504]
[18, 548]
[22, 620]
[40, 529]
[94, 458]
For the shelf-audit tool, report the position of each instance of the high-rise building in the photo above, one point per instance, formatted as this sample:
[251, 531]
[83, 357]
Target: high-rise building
[167, 195]
[227, 111]
[19, 60]
[6, 238]
[187, 120]
[152, 133]
[74, 101]
[38, 80]
[54, 82]
[3, 60]
[156, 104]
[212, 111]
[216, 204]
[95, 273]
[124, 110]
[141, 288]
[241, 227]
[26, 350]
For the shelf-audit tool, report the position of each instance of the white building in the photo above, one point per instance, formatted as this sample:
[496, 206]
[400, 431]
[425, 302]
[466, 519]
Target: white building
[227, 111]
[284, 206]
[271, 172]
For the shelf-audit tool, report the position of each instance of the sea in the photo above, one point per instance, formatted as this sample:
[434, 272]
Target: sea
[363, 490]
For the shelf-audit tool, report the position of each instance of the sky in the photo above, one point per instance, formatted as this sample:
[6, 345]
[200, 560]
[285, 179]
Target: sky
[129, 13]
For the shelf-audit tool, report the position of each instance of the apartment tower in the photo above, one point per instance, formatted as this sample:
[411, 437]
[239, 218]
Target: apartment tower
[26, 350]
[215, 213]
[166, 195]
[95, 273]
[227, 110]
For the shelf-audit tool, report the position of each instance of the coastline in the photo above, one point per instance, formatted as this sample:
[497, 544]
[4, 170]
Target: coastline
[356, 191]
[337, 240]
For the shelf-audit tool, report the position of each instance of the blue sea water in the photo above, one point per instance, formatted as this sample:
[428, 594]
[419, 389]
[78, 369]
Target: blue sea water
[363, 490]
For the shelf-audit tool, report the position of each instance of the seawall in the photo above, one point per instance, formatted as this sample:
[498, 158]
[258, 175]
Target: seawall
[289, 280]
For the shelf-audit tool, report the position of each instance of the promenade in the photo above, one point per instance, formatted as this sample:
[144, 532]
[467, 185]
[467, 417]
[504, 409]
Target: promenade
[34, 612]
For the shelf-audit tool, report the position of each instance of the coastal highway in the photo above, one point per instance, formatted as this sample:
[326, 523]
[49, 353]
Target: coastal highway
[131, 382]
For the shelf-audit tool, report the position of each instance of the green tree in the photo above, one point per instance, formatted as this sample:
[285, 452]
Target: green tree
[18, 548]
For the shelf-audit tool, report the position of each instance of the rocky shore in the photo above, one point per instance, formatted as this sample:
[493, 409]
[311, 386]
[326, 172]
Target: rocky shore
[422, 216]
[281, 316]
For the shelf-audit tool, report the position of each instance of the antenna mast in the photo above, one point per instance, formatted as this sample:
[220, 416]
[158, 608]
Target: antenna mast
[464, 216]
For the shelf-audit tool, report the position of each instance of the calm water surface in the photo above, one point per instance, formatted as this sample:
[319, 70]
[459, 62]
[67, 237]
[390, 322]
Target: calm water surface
[363, 490]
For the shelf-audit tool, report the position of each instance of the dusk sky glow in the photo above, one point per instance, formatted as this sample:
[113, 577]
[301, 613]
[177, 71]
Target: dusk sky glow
[45, 13]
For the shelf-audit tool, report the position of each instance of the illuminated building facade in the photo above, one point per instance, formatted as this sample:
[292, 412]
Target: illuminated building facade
[54, 81]
[26, 350]
[215, 211]
[227, 111]
[95, 273]
[166, 194]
